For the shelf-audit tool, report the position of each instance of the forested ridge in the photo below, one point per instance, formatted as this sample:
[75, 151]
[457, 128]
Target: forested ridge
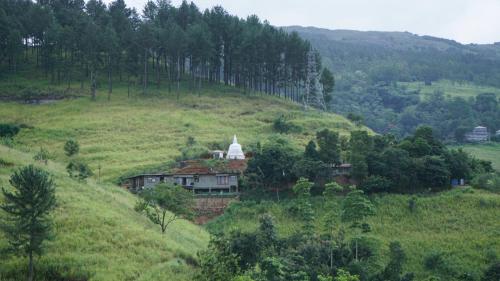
[78, 41]
[403, 56]
[381, 77]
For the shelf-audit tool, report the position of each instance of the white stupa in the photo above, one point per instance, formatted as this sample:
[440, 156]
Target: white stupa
[235, 152]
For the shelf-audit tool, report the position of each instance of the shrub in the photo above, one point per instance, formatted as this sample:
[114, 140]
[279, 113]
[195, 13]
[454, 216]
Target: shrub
[79, 170]
[374, 184]
[4, 163]
[433, 260]
[492, 273]
[9, 130]
[71, 147]
[193, 152]
[489, 181]
[412, 204]
[43, 155]
[283, 126]
[438, 262]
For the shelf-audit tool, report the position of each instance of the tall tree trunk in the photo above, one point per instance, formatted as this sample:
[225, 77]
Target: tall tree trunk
[93, 74]
[110, 79]
[128, 85]
[145, 71]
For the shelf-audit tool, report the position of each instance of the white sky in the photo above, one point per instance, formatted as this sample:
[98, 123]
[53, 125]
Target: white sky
[466, 21]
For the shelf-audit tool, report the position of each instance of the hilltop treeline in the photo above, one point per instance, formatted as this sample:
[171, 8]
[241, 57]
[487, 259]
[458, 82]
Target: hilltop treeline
[77, 41]
[402, 56]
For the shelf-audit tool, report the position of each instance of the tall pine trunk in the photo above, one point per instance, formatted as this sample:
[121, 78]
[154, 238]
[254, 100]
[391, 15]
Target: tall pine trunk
[145, 78]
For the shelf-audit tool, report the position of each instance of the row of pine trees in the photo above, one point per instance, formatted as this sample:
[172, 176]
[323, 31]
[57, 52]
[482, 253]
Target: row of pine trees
[74, 40]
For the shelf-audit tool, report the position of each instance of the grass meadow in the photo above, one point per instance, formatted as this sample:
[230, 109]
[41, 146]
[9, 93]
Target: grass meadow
[99, 236]
[451, 88]
[460, 224]
[488, 151]
[132, 133]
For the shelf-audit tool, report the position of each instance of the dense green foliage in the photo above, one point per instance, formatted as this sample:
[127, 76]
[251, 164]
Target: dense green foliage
[81, 41]
[263, 255]
[423, 233]
[392, 108]
[8, 130]
[402, 56]
[28, 207]
[71, 147]
[371, 66]
[418, 163]
[164, 204]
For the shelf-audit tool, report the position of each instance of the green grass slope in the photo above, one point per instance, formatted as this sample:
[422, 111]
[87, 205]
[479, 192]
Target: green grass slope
[451, 88]
[462, 225]
[99, 236]
[131, 133]
[489, 151]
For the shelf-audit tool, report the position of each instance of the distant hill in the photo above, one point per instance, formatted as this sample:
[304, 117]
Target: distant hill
[417, 58]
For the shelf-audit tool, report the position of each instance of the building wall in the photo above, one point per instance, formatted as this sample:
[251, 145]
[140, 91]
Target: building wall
[204, 181]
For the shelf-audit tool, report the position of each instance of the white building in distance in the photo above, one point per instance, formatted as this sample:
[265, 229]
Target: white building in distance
[235, 152]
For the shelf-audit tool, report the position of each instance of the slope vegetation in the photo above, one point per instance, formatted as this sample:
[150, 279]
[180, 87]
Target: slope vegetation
[129, 134]
[459, 226]
[99, 236]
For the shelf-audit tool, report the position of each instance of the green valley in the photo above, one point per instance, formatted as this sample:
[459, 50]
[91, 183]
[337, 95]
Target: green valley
[180, 142]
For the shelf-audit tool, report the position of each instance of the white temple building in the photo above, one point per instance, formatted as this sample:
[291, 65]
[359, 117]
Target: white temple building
[235, 152]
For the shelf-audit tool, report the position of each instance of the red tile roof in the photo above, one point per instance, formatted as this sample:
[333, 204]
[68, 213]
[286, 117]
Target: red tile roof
[211, 167]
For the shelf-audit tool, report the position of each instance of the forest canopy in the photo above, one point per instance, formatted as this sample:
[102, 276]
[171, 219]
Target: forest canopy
[84, 41]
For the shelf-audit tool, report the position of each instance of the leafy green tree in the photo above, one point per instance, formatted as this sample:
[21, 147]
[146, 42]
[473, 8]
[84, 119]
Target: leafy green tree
[218, 262]
[268, 236]
[71, 147]
[355, 208]
[375, 184]
[394, 268]
[165, 203]
[79, 170]
[329, 146]
[272, 166]
[360, 144]
[328, 83]
[432, 173]
[492, 273]
[355, 118]
[311, 152]
[28, 207]
[343, 275]
[303, 191]
[458, 162]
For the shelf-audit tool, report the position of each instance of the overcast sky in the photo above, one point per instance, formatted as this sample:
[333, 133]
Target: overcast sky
[466, 21]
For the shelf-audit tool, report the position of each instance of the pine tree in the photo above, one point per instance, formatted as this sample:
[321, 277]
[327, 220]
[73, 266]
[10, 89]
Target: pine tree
[27, 207]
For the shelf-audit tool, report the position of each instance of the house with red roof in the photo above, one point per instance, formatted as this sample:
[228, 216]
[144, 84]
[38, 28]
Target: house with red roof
[216, 176]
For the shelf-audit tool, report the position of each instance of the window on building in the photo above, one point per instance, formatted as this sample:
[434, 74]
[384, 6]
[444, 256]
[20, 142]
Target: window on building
[222, 180]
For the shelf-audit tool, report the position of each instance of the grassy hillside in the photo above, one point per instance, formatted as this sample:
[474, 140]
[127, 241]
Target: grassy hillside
[99, 236]
[132, 133]
[452, 89]
[460, 224]
[490, 152]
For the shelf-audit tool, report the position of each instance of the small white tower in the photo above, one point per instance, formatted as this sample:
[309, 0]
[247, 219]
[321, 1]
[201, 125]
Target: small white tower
[235, 152]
